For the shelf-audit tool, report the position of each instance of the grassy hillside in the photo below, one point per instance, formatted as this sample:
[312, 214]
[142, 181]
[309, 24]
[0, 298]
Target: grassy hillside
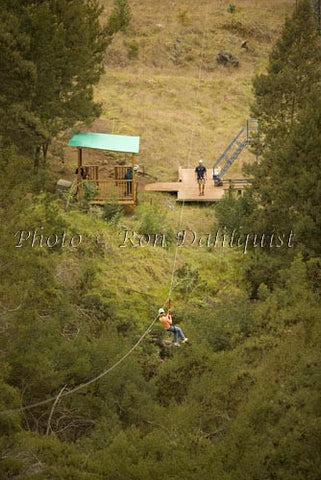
[163, 83]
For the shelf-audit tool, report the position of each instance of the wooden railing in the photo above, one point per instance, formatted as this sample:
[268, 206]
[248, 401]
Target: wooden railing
[114, 190]
[234, 186]
[235, 182]
[120, 171]
[90, 172]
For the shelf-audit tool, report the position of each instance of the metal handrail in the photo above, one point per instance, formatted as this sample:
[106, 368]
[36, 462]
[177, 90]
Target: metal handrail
[238, 146]
[228, 148]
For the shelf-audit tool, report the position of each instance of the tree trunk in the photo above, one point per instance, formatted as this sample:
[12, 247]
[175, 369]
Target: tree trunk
[44, 147]
[36, 161]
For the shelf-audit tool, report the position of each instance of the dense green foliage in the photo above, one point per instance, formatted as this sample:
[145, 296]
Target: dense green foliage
[120, 17]
[242, 400]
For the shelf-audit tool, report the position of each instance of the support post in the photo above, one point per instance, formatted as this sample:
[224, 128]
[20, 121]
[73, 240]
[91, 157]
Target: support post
[133, 180]
[79, 179]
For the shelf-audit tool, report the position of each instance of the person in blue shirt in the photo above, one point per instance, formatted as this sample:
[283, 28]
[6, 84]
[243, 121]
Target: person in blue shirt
[129, 176]
[201, 176]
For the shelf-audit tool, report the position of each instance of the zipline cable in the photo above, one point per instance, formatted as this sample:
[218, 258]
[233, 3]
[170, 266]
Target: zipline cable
[89, 382]
[131, 350]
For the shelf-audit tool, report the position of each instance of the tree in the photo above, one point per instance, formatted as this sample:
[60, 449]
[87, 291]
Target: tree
[300, 177]
[120, 17]
[284, 179]
[285, 191]
[294, 67]
[58, 47]
[17, 80]
[67, 46]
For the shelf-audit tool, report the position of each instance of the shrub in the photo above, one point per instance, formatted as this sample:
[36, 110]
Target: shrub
[231, 8]
[133, 48]
[89, 192]
[152, 221]
[113, 212]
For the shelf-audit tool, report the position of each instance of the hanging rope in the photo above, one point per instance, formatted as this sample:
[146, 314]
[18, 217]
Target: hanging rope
[63, 394]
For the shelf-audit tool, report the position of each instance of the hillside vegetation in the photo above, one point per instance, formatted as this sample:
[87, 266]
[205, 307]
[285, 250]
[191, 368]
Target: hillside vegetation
[90, 386]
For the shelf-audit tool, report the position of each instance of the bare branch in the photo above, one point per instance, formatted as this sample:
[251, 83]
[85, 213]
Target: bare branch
[6, 310]
[53, 408]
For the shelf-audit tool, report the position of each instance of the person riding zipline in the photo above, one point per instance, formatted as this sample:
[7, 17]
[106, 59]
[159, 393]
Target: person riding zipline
[167, 322]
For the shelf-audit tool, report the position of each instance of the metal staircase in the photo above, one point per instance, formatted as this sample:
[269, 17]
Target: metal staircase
[231, 153]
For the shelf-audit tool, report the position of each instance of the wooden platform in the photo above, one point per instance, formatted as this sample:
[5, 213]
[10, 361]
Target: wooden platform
[187, 187]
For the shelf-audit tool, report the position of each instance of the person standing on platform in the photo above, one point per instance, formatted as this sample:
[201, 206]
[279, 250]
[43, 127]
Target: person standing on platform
[201, 176]
[129, 177]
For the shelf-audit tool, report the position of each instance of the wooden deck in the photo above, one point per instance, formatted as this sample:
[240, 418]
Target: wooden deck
[187, 187]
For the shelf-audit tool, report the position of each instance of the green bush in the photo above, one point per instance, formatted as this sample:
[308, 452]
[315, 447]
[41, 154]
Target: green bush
[120, 17]
[89, 192]
[133, 49]
[113, 212]
[153, 220]
[231, 212]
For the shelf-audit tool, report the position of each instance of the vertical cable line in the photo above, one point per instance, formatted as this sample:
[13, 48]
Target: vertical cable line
[189, 154]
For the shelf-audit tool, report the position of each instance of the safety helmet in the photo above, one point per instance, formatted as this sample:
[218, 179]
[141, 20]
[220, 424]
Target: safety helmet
[160, 311]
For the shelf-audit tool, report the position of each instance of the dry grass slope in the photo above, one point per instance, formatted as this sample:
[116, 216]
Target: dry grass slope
[163, 83]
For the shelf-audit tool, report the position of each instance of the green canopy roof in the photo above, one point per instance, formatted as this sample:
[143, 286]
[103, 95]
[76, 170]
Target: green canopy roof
[103, 141]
